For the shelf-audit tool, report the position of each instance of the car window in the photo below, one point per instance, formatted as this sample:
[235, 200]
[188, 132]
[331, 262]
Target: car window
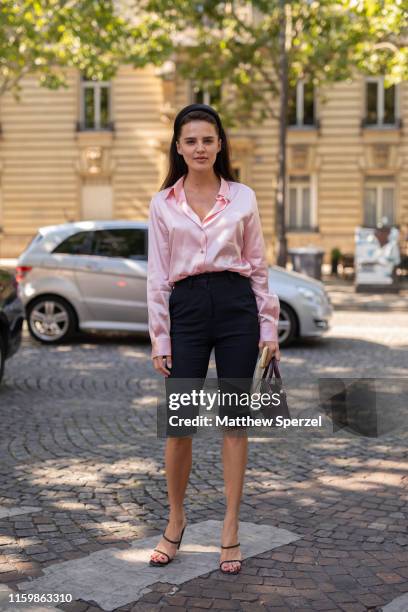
[80, 243]
[129, 243]
[37, 238]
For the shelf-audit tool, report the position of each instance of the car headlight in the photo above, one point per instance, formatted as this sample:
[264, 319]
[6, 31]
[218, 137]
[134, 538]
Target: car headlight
[313, 297]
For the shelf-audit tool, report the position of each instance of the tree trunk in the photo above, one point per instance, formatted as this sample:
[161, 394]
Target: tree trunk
[280, 191]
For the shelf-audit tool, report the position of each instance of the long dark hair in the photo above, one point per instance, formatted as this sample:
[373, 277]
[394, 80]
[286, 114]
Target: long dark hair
[177, 165]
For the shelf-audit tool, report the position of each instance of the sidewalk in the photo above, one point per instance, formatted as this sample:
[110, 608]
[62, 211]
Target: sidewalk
[344, 297]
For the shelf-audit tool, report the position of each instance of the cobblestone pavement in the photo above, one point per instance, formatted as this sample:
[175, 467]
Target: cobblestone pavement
[78, 442]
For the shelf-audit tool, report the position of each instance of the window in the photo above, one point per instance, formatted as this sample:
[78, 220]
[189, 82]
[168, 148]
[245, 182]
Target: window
[301, 204]
[301, 104]
[209, 95]
[78, 244]
[379, 200]
[95, 105]
[128, 243]
[381, 103]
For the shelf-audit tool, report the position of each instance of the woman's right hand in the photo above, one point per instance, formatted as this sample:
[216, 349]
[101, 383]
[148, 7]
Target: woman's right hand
[162, 363]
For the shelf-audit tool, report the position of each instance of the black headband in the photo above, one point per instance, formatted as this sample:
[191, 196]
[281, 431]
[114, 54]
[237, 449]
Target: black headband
[196, 107]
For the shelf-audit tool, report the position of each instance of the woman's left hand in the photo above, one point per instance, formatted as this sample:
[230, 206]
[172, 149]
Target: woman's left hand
[273, 350]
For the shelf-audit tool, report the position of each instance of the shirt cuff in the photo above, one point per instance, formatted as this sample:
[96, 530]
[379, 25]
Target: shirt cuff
[268, 332]
[161, 346]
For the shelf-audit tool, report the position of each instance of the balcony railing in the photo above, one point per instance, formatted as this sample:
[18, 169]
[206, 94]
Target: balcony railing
[396, 125]
[302, 228]
[82, 127]
[305, 126]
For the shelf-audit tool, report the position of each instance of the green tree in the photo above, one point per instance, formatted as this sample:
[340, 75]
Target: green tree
[45, 37]
[256, 50]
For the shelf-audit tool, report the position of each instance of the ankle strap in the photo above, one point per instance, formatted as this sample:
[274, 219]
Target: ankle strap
[171, 541]
[233, 546]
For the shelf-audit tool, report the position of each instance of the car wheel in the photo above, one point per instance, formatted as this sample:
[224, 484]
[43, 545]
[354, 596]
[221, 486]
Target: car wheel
[51, 319]
[288, 325]
[2, 357]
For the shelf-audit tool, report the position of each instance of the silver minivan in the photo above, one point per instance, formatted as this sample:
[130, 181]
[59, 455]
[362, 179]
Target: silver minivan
[91, 275]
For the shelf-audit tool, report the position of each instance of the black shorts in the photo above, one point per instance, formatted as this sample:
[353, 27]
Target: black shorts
[214, 310]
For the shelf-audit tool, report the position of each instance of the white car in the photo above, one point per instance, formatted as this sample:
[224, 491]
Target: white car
[91, 275]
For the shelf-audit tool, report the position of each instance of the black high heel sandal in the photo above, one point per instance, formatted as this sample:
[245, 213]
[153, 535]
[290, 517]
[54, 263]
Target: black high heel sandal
[169, 559]
[236, 571]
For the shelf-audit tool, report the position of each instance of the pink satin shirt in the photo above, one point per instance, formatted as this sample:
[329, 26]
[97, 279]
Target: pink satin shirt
[180, 244]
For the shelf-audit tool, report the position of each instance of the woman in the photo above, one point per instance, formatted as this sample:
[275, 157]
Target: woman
[207, 288]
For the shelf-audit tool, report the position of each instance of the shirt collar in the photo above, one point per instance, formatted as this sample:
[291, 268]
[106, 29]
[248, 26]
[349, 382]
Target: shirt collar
[178, 190]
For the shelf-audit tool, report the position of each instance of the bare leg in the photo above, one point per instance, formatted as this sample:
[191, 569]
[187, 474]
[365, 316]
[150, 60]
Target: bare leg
[178, 460]
[235, 455]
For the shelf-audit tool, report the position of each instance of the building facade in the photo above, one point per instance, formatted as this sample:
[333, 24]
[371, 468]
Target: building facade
[99, 150]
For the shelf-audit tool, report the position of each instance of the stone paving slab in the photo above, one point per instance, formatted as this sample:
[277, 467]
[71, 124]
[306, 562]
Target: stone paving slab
[399, 604]
[13, 511]
[114, 577]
